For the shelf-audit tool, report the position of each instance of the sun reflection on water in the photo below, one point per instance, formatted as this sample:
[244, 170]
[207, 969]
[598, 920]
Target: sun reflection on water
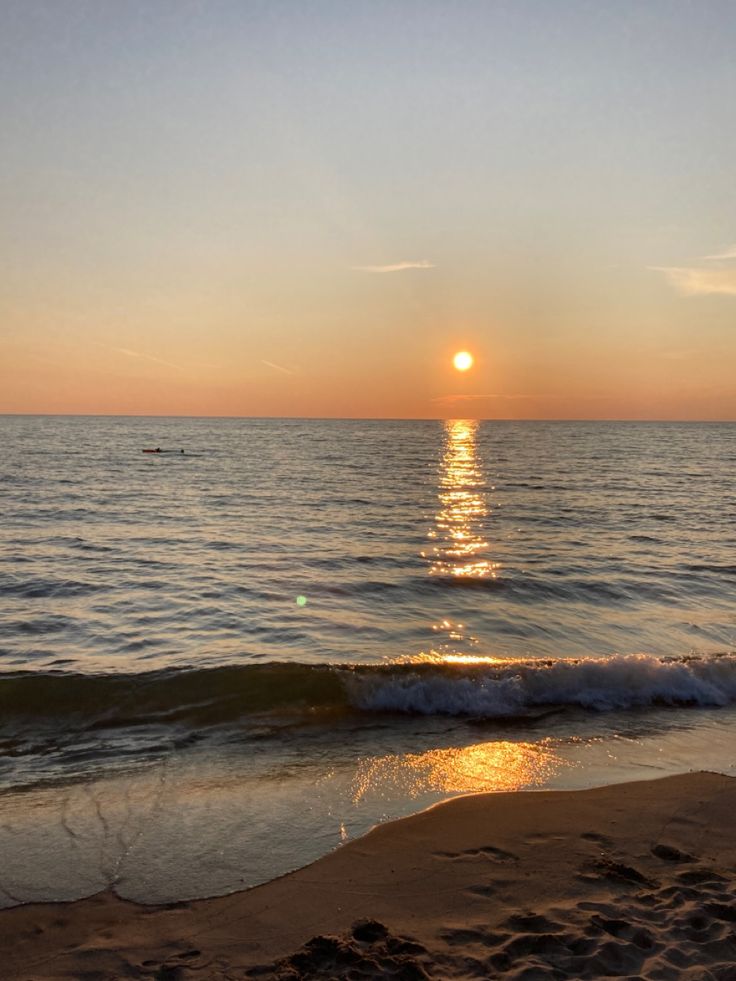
[460, 548]
[480, 768]
[437, 657]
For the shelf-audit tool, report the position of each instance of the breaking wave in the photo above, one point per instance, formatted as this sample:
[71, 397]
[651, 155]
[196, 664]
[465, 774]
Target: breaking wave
[489, 689]
[514, 687]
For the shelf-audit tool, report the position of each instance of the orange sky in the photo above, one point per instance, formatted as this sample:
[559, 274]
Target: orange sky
[228, 209]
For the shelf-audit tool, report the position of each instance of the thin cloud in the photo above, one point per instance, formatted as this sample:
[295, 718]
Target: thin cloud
[540, 397]
[683, 354]
[396, 267]
[729, 253]
[691, 281]
[278, 367]
[147, 357]
[447, 399]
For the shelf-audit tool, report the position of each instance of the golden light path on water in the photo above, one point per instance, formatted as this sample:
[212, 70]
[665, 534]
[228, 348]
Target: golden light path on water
[460, 549]
[480, 768]
[460, 545]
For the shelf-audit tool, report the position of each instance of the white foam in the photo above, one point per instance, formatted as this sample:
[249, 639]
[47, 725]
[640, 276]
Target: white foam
[605, 683]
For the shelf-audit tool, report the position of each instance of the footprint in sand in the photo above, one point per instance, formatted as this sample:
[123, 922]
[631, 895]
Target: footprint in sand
[609, 868]
[532, 923]
[487, 851]
[701, 877]
[668, 853]
[598, 839]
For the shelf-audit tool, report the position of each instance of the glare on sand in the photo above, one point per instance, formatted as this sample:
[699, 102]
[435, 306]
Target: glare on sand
[463, 360]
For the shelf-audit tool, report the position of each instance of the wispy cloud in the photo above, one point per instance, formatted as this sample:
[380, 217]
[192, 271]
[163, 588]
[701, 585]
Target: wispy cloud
[278, 367]
[729, 253]
[146, 357]
[449, 399]
[396, 267]
[693, 281]
[703, 280]
[682, 354]
[539, 397]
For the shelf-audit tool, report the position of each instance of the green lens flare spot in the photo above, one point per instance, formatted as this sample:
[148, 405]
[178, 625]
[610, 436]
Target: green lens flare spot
[301, 601]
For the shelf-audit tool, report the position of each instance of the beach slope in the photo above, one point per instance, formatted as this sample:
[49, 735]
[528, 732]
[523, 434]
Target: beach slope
[636, 880]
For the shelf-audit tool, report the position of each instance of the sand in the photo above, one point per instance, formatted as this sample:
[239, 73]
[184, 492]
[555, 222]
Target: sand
[634, 881]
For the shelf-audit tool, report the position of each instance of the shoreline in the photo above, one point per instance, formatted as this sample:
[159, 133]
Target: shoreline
[632, 879]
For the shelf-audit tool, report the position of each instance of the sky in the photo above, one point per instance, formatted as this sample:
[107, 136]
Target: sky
[278, 208]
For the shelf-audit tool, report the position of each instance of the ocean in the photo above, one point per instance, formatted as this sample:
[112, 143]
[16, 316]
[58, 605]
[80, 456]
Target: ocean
[217, 665]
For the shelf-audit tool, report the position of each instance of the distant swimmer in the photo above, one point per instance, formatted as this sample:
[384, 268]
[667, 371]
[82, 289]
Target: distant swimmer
[159, 450]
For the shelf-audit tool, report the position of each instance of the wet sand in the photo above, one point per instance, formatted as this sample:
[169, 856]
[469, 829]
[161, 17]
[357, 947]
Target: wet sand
[634, 881]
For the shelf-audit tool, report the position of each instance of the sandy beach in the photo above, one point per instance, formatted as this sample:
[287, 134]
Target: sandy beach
[635, 881]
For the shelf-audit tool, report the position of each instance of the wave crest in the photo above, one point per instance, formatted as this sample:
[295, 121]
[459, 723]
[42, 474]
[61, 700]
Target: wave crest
[198, 697]
[514, 687]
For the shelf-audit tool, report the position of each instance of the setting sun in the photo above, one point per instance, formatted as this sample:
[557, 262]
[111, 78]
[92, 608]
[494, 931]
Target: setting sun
[463, 360]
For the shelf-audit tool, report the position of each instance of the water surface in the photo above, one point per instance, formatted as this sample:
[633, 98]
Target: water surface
[218, 664]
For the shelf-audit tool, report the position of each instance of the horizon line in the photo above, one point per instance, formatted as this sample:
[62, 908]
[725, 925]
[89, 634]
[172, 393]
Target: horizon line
[143, 415]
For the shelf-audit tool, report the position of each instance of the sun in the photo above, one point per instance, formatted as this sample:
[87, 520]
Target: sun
[463, 360]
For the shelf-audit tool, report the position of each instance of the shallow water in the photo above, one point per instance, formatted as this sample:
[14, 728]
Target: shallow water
[217, 665]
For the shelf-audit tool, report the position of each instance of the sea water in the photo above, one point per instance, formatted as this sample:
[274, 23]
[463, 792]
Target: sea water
[218, 664]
